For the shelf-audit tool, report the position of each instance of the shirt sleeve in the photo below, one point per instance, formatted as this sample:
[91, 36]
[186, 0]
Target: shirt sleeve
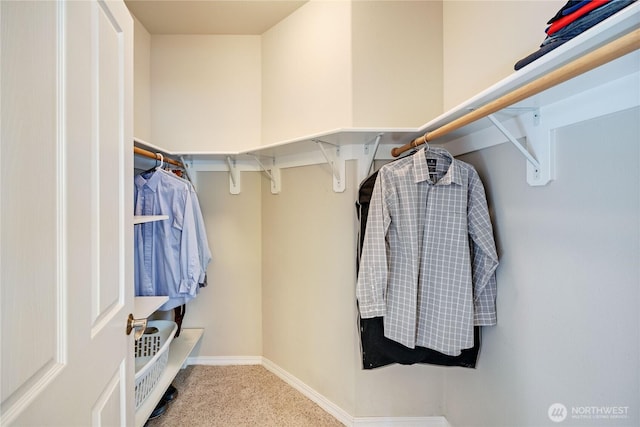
[484, 258]
[372, 277]
[204, 253]
[190, 267]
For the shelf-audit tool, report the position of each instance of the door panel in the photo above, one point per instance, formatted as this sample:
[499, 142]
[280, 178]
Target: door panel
[106, 172]
[31, 296]
[106, 411]
[66, 214]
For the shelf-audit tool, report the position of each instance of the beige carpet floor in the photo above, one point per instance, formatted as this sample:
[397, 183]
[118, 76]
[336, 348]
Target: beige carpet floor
[236, 396]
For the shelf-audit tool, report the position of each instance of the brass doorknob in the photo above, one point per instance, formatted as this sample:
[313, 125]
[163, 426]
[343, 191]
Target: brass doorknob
[138, 324]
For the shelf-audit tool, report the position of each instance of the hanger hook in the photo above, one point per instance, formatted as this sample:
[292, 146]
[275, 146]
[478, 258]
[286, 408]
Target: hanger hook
[161, 160]
[424, 141]
[424, 137]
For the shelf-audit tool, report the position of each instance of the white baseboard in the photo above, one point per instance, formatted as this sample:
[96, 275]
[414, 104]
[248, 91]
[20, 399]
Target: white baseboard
[333, 409]
[225, 360]
[400, 422]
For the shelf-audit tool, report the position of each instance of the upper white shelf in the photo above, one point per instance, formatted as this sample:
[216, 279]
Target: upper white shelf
[619, 24]
[606, 31]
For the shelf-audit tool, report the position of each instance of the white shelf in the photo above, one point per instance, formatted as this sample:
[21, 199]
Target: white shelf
[610, 29]
[527, 117]
[144, 307]
[179, 351]
[619, 24]
[139, 219]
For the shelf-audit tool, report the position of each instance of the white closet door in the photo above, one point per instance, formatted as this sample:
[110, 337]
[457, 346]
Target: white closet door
[66, 213]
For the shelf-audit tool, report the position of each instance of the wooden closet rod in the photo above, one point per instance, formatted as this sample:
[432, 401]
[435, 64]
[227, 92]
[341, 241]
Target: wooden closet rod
[615, 49]
[152, 155]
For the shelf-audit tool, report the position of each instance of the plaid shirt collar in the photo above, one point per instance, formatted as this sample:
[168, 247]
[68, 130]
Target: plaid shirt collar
[421, 169]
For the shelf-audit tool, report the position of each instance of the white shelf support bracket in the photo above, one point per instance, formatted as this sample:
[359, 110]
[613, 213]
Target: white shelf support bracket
[514, 141]
[540, 141]
[366, 163]
[273, 174]
[337, 164]
[188, 166]
[234, 176]
[540, 170]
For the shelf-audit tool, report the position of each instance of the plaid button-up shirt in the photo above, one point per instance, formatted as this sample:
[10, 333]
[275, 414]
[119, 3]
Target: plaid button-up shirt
[429, 258]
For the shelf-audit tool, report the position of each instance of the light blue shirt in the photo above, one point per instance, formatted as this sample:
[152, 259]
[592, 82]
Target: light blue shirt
[203, 243]
[168, 259]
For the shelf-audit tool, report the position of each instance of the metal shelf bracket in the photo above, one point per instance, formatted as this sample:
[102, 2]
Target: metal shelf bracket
[370, 156]
[541, 167]
[514, 141]
[234, 176]
[273, 173]
[337, 164]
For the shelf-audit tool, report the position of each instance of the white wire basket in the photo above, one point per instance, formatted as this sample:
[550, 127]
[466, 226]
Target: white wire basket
[151, 356]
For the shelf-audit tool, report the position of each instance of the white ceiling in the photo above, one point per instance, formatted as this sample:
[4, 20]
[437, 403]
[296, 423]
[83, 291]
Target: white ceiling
[211, 16]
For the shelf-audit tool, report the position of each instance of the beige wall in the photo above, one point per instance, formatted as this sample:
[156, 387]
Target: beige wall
[309, 309]
[330, 64]
[397, 63]
[334, 64]
[205, 92]
[230, 307]
[306, 72]
[484, 39]
[141, 82]
[568, 293]
[308, 247]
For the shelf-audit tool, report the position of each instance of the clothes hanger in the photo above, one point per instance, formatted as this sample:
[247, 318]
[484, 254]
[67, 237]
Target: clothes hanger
[426, 143]
[155, 167]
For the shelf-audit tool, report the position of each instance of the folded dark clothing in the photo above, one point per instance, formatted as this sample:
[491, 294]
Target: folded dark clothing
[592, 18]
[574, 29]
[569, 7]
[572, 17]
[544, 49]
[572, 9]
